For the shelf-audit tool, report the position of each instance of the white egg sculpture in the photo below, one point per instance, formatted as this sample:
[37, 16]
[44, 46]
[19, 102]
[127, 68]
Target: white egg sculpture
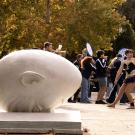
[36, 81]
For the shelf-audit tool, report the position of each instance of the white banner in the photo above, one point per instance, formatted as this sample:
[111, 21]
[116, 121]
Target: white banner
[89, 49]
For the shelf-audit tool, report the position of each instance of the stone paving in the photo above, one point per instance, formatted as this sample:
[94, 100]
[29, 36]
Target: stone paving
[101, 120]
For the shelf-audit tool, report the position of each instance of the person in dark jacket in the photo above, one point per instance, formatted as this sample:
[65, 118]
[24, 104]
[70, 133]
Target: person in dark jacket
[101, 73]
[77, 63]
[86, 69]
[114, 67]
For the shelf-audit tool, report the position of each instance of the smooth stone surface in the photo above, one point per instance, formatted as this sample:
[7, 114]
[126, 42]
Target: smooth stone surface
[69, 122]
[101, 120]
[36, 81]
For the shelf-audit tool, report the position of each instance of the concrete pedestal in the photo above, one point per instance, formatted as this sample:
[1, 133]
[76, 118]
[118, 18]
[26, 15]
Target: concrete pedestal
[35, 123]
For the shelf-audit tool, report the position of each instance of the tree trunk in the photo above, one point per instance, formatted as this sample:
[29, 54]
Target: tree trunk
[48, 6]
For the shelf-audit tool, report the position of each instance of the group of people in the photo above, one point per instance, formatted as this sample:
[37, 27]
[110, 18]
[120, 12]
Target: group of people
[88, 67]
[120, 72]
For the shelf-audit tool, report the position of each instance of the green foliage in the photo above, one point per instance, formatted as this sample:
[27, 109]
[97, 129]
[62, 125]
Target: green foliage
[127, 37]
[72, 23]
[22, 24]
[98, 22]
[125, 40]
[128, 9]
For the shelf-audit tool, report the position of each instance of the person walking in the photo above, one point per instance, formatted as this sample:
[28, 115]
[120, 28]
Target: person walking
[129, 83]
[114, 67]
[77, 63]
[101, 73]
[86, 70]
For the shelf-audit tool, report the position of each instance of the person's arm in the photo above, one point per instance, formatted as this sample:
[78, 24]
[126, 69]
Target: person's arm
[93, 61]
[134, 60]
[98, 65]
[111, 64]
[119, 72]
[93, 67]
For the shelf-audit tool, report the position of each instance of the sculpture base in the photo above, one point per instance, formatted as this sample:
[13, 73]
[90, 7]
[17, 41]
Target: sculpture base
[41, 123]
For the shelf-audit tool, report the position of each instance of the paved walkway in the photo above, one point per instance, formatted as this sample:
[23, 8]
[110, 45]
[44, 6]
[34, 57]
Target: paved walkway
[101, 120]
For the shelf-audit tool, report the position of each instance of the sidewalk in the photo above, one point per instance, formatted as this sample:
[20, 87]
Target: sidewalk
[101, 120]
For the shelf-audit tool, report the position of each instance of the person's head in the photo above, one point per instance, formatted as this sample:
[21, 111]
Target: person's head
[48, 46]
[119, 56]
[129, 53]
[79, 57]
[100, 53]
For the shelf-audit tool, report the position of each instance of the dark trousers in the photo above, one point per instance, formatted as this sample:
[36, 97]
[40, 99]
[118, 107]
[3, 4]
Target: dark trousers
[75, 97]
[112, 96]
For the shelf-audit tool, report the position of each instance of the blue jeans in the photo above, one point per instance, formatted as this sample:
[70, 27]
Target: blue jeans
[85, 87]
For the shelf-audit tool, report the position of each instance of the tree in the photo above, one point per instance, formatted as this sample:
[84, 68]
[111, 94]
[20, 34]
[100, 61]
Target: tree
[127, 37]
[48, 2]
[97, 22]
[22, 24]
[128, 9]
[72, 23]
